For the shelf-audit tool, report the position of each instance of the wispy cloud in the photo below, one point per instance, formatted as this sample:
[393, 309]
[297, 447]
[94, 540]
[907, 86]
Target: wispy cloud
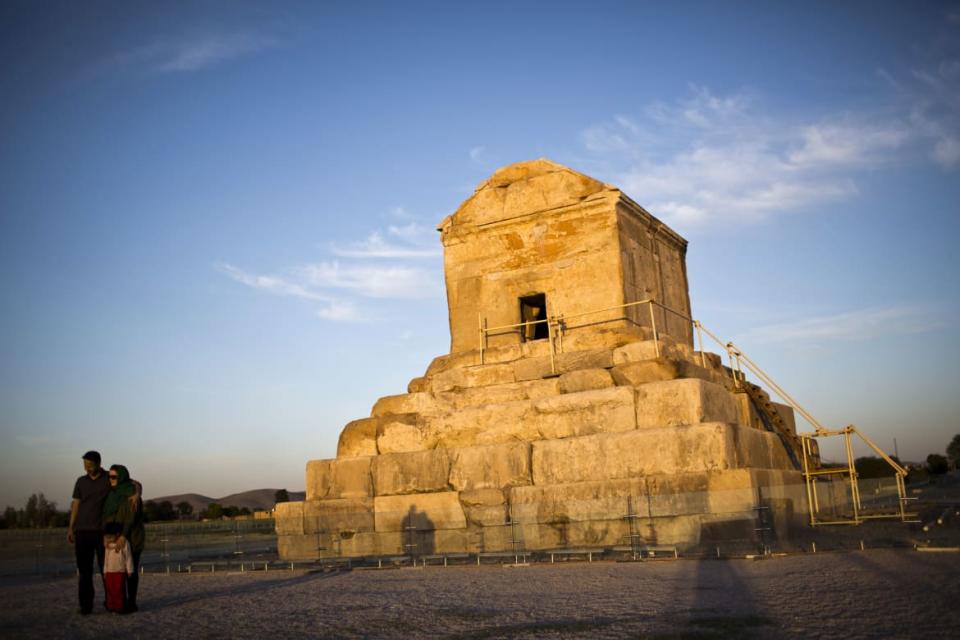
[341, 312]
[860, 324]
[395, 263]
[371, 280]
[276, 285]
[930, 93]
[187, 53]
[723, 158]
[476, 153]
[410, 240]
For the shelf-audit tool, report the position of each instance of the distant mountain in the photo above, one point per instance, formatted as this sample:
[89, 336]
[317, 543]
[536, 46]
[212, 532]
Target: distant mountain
[254, 499]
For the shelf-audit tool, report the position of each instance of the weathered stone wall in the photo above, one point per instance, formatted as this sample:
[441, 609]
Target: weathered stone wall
[653, 262]
[543, 228]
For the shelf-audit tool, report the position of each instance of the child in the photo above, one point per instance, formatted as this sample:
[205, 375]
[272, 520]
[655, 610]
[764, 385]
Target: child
[117, 566]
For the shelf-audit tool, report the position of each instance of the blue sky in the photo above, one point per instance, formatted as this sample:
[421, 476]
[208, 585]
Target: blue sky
[217, 238]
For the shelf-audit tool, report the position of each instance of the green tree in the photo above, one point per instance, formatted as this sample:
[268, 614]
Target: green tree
[10, 518]
[30, 511]
[953, 451]
[214, 511]
[47, 511]
[184, 508]
[281, 496]
[937, 464]
[165, 511]
[873, 467]
[150, 511]
[229, 511]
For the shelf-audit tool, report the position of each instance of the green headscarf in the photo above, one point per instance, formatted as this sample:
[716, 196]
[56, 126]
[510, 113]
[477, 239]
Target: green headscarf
[119, 493]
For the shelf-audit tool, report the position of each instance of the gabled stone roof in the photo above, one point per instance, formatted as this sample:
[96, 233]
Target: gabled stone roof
[524, 188]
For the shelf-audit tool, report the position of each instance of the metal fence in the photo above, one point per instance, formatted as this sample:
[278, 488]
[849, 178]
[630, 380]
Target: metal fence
[644, 526]
[716, 523]
[170, 546]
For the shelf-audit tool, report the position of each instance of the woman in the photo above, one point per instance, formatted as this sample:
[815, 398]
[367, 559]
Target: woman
[120, 509]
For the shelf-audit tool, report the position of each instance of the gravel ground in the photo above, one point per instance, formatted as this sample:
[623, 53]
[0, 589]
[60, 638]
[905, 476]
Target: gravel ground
[871, 594]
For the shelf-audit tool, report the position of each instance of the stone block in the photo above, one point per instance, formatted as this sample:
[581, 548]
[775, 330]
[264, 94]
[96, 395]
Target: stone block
[713, 360]
[657, 370]
[498, 394]
[585, 380]
[762, 449]
[397, 433]
[490, 467]
[418, 385]
[538, 389]
[532, 368]
[586, 412]
[488, 424]
[297, 547]
[288, 518]
[336, 516]
[589, 359]
[706, 447]
[501, 354]
[358, 438]
[412, 472]
[683, 402]
[645, 371]
[490, 538]
[422, 402]
[438, 365]
[339, 478]
[472, 376]
[635, 352]
[450, 541]
[575, 501]
[427, 511]
[365, 543]
[731, 492]
[484, 507]
[680, 531]
[593, 533]
[608, 335]
[787, 415]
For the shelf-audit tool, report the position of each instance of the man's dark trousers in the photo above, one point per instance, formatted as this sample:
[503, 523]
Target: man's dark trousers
[88, 544]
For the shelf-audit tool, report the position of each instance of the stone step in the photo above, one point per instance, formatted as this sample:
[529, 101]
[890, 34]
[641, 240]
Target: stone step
[633, 364]
[677, 450]
[612, 409]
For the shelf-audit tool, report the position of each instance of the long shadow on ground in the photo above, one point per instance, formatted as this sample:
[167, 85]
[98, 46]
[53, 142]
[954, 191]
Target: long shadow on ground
[243, 589]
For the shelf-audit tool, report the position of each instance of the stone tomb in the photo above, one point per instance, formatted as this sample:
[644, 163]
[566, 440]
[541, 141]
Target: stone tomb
[607, 438]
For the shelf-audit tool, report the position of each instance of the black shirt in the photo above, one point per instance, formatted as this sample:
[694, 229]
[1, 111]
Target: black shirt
[91, 494]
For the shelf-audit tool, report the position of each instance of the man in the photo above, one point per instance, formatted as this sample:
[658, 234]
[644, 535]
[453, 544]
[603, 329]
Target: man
[86, 511]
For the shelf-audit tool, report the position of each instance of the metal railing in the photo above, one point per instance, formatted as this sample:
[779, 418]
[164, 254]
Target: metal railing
[557, 325]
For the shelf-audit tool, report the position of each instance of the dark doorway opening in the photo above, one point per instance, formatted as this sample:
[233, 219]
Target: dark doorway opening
[533, 308]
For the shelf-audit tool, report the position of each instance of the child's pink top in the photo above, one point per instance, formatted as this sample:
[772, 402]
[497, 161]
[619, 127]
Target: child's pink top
[118, 558]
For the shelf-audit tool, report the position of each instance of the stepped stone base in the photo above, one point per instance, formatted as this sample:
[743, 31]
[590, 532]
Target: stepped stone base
[490, 457]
